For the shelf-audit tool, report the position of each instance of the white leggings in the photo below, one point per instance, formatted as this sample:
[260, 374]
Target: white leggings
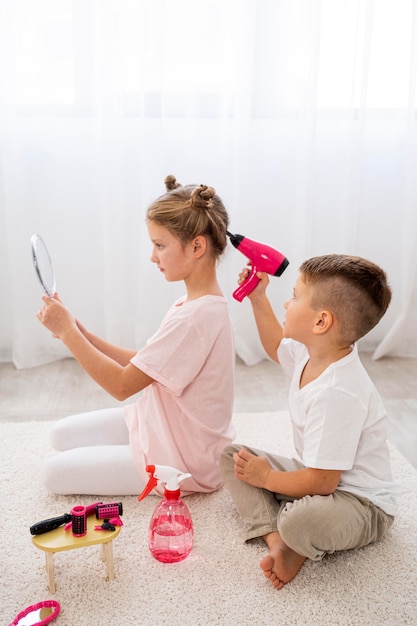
[94, 456]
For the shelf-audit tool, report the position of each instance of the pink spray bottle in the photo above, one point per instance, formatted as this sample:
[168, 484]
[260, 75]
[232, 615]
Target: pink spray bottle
[170, 535]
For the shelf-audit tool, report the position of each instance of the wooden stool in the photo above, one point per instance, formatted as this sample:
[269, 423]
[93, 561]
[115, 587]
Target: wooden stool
[59, 539]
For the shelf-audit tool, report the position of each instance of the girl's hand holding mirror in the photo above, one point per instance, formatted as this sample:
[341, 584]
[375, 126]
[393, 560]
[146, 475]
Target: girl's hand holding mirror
[55, 316]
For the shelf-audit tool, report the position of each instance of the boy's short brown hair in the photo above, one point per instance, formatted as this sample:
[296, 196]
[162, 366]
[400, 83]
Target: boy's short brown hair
[354, 289]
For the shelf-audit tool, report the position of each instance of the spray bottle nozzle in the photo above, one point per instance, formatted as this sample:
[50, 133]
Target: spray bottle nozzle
[168, 475]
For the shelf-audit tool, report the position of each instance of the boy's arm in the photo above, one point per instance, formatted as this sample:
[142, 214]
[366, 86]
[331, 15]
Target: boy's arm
[256, 471]
[269, 329]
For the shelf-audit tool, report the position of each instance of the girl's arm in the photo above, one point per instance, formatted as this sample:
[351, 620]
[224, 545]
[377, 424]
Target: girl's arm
[120, 381]
[106, 364]
[117, 353]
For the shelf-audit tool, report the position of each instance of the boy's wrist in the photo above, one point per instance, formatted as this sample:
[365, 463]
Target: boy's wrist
[258, 298]
[269, 480]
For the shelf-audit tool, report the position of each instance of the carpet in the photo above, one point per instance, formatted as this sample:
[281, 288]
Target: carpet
[220, 583]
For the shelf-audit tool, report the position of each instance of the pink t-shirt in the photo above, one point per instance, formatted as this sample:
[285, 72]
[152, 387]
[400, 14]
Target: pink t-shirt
[183, 419]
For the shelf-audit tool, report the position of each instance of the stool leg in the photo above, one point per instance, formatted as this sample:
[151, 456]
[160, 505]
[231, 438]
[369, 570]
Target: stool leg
[108, 557]
[50, 570]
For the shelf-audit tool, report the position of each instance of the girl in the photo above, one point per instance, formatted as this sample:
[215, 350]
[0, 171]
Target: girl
[186, 370]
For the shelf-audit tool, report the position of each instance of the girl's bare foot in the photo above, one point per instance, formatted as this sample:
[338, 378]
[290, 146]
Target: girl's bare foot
[282, 564]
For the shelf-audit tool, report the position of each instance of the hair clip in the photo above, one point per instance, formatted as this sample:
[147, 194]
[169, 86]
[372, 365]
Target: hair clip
[105, 526]
[110, 524]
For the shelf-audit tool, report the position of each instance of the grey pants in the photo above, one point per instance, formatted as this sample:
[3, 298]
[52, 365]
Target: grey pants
[312, 526]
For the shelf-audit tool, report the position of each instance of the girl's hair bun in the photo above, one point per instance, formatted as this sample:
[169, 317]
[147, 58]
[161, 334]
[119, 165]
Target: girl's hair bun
[171, 183]
[202, 197]
[188, 211]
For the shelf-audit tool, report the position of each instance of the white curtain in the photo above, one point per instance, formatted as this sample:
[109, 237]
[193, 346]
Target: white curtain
[301, 113]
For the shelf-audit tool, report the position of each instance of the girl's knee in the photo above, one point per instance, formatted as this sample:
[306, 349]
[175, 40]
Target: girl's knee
[49, 476]
[65, 433]
[55, 436]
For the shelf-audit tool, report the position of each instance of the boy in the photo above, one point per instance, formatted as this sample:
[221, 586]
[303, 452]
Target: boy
[338, 494]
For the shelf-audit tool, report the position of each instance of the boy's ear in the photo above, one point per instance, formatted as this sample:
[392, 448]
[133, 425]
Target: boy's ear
[323, 323]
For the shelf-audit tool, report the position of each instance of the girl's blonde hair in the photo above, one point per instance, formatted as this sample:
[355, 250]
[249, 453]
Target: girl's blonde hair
[191, 210]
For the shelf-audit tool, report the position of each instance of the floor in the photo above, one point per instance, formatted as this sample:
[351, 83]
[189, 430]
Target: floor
[62, 388]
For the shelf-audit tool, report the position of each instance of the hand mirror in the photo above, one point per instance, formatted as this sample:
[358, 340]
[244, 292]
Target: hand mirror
[43, 265]
[40, 614]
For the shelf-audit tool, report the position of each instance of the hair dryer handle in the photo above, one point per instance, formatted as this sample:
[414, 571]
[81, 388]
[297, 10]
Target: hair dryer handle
[247, 286]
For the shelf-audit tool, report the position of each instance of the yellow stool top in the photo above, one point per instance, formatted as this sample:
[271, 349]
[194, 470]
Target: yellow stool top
[60, 539]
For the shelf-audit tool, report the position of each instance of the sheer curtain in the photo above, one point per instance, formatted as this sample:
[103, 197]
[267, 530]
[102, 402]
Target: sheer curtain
[301, 113]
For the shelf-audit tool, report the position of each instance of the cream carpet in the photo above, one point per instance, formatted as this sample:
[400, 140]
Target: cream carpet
[220, 583]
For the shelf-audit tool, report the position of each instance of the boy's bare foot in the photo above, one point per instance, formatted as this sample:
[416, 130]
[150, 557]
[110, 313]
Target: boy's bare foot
[282, 564]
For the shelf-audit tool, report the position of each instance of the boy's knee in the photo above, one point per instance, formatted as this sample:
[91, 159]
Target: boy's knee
[226, 459]
[312, 527]
[302, 524]
[291, 519]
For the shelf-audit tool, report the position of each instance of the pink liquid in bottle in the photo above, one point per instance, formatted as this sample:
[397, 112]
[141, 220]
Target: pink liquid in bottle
[170, 535]
[171, 531]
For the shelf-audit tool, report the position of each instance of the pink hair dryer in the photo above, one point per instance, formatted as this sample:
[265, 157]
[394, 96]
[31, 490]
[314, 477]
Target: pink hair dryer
[263, 258]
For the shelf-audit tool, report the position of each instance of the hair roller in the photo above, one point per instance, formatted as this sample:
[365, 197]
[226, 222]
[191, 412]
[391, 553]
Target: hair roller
[202, 197]
[171, 183]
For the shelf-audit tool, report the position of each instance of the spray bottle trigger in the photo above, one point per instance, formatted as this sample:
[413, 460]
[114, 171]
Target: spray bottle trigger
[152, 482]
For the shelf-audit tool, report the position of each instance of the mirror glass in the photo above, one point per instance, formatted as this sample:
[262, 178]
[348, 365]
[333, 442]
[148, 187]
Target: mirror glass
[34, 617]
[43, 265]
[39, 614]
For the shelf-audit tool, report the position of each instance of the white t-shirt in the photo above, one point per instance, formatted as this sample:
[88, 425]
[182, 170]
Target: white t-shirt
[183, 419]
[340, 423]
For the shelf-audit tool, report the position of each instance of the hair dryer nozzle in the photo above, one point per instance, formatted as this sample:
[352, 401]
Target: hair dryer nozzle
[235, 240]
